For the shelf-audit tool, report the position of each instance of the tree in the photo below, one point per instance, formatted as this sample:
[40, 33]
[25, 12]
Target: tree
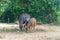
[44, 11]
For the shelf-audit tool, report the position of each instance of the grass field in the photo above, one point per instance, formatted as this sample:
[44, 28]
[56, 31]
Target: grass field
[41, 32]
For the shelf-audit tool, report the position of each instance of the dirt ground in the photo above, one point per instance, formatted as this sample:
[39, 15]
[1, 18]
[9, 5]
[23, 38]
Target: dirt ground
[42, 32]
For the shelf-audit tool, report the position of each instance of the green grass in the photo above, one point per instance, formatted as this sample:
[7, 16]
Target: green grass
[10, 30]
[52, 29]
[14, 30]
[32, 31]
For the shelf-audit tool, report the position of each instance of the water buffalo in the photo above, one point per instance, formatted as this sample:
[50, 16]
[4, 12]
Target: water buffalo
[23, 20]
[31, 24]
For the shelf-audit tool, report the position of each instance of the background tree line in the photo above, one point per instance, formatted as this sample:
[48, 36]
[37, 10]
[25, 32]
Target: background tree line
[45, 11]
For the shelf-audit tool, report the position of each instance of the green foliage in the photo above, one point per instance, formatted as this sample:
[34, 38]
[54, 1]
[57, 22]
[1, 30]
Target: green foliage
[4, 5]
[44, 11]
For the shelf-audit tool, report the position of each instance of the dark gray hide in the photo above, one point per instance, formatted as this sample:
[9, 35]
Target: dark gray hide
[23, 19]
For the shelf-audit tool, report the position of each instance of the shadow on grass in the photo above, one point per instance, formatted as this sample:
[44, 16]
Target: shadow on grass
[21, 31]
[11, 30]
[37, 30]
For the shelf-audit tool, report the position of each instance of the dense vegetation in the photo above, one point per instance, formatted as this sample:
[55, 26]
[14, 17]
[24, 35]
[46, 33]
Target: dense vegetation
[45, 11]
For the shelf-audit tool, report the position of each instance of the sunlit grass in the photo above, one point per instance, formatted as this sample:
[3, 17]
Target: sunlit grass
[52, 28]
[10, 30]
[14, 30]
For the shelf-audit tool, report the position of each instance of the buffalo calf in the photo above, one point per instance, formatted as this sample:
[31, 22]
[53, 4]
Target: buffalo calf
[33, 23]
